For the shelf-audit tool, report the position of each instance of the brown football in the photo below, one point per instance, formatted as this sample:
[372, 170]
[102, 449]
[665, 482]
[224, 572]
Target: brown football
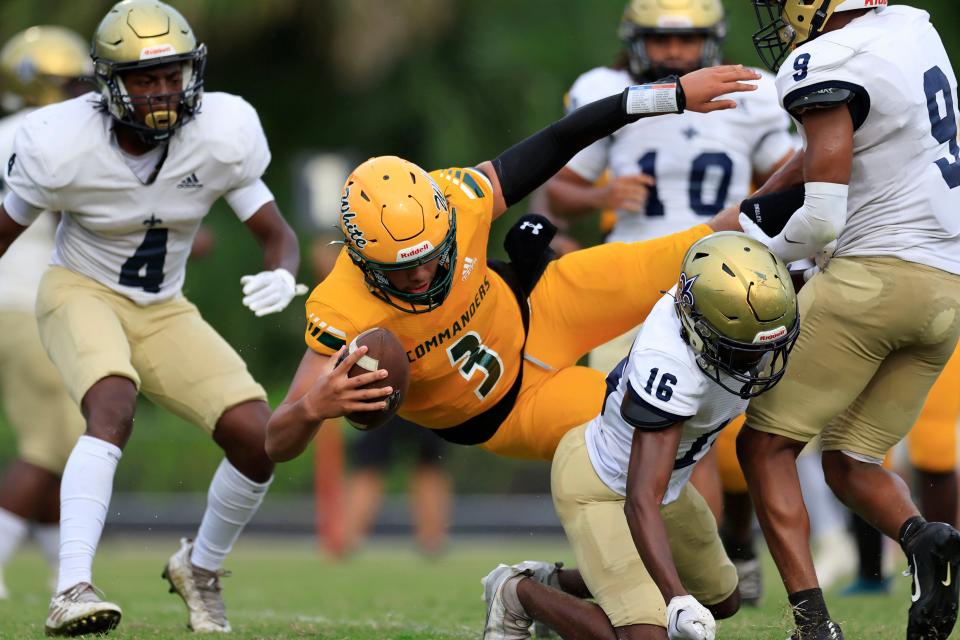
[384, 351]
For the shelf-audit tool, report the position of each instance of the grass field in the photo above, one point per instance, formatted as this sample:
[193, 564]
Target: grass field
[282, 589]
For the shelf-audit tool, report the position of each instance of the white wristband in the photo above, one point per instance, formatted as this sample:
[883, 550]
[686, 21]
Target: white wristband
[648, 99]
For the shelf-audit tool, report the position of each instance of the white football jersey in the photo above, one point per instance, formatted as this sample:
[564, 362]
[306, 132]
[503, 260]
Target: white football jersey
[25, 261]
[701, 162]
[132, 237]
[905, 187]
[661, 372]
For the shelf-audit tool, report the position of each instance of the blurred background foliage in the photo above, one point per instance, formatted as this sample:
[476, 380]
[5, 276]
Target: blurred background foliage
[441, 82]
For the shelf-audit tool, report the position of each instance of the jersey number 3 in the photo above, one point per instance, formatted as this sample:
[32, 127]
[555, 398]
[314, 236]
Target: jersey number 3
[476, 356]
[144, 269]
[944, 128]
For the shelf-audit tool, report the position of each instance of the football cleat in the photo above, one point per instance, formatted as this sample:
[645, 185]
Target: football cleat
[827, 630]
[934, 558]
[545, 573]
[750, 575]
[80, 610]
[4, 594]
[506, 619]
[200, 590]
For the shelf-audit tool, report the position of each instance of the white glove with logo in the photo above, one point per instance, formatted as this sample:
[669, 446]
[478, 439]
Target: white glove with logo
[270, 291]
[753, 230]
[687, 619]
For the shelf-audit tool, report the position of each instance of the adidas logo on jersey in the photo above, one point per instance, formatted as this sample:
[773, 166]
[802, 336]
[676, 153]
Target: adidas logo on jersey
[190, 182]
[468, 264]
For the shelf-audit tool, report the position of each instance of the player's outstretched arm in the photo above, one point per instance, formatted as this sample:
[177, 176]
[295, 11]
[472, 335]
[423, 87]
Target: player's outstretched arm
[10, 230]
[519, 170]
[271, 290]
[321, 389]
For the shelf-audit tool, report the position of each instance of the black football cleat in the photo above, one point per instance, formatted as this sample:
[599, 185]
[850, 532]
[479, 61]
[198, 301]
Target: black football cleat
[934, 557]
[826, 630]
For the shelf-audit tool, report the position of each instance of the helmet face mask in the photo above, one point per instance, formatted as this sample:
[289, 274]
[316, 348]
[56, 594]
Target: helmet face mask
[375, 274]
[144, 36]
[394, 218]
[738, 312]
[645, 18]
[788, 24]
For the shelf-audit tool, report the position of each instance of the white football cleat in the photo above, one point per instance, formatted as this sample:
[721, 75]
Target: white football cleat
[545, 573]
[200, 590]
[506, 619]
[80, 610]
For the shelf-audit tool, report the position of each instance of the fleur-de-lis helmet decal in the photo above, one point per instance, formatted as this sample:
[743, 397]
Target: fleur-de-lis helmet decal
[685, 289]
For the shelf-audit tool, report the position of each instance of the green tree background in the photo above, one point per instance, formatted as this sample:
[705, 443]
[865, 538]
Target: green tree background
[441, 82]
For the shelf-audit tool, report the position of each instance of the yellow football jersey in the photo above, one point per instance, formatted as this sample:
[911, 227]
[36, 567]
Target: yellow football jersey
[465, 354]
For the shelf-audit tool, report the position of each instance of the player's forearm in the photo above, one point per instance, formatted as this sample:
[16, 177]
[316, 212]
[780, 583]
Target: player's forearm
[786, 177]
[290, 430]
[569, 200]
[650, 537]
[10, 230]
[281, 250]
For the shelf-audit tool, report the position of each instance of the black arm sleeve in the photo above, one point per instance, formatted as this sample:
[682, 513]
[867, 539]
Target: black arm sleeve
[531, 162]
[640, 414]
[772, 211]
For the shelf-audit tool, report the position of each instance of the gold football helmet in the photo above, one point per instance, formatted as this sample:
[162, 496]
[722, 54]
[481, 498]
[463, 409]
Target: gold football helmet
[393, 217]
[43, 65]
[787, 24]
[643, 18]
[738, 311]
[138, 34]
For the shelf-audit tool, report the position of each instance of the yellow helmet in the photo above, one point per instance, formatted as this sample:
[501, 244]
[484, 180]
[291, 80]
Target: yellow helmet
[644, 18]
[787, 24]
[738, 310]
[137, 34]
[393, 217]
[37, 66]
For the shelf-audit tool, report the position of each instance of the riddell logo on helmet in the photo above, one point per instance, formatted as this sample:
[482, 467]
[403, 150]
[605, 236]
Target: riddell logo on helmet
[770, 336]
[875, 3]
[157, 51]
[409, 253]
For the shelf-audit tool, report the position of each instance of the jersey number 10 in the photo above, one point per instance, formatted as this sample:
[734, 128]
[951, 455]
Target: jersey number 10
[698, 174]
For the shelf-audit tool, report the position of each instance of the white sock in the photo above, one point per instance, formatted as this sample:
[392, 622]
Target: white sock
[232, 500]
[48, 537]
[85, 492]
[13, 529]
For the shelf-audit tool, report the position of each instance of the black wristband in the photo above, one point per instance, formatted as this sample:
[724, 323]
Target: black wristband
[772, 211]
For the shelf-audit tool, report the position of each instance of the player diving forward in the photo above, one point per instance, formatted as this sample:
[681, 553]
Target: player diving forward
[874, 94]
[492, 363]
[646, 543]
[134, 171]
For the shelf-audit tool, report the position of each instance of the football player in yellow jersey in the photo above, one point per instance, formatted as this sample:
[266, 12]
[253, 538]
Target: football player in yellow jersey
[491, 355]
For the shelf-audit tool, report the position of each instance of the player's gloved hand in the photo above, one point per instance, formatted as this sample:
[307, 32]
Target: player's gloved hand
[270, 291]
[687, 619]
[753, 230]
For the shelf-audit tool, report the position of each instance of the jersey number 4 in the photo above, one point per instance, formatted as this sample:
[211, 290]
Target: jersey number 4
[720, 162]
[944, 127]
[144, 269]
[475, 356]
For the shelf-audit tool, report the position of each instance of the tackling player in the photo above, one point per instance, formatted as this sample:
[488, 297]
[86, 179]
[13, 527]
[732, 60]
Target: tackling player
[646, 543]
[39, 66]
[134, 170]
[491, 354]
[671, 173]
[875, 96]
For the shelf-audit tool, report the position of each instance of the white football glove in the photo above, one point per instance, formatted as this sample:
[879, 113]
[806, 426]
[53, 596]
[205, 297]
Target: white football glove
[687, 619]
[270, 291]
[753, 230]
